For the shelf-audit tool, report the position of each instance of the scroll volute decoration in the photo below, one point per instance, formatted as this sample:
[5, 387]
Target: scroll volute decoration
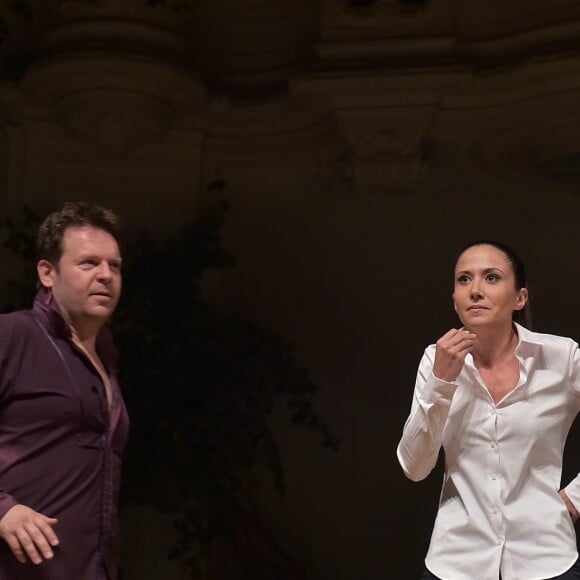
[115, 73]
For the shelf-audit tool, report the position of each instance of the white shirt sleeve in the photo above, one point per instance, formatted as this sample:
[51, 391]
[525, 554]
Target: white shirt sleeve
[573, 488]
[423, 431]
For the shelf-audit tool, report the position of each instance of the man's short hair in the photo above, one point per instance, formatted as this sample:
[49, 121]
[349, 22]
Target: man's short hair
[73, 214]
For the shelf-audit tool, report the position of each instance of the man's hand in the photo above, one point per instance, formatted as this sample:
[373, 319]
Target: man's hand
[574, 513]
[28, 534]
[450, 353]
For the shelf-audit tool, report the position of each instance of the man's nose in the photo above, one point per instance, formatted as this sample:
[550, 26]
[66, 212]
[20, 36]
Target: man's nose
[105, 272]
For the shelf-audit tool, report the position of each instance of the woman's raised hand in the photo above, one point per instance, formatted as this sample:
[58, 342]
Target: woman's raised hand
[450, 353]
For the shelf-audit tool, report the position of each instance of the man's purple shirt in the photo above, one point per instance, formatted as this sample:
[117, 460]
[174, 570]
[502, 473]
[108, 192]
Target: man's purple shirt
[60, 446]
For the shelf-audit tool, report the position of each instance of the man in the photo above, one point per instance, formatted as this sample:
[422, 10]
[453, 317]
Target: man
[63, 424]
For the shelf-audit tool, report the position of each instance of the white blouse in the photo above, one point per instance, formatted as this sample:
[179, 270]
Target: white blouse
[499, 509]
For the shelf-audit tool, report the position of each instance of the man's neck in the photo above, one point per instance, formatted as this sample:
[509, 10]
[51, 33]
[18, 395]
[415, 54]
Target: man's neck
[84, 331]
[86, 340]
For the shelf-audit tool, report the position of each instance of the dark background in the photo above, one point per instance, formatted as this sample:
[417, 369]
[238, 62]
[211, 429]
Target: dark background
[360, 147]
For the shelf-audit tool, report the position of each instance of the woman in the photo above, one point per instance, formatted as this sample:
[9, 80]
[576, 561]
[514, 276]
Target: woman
[500, 400]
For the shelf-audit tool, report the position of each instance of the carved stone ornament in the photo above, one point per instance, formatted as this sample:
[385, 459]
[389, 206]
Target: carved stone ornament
[381, 10]
[385, 163]
[334, 171]
[104, 76]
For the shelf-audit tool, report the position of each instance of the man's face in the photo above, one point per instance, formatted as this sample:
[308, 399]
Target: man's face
[87, 283]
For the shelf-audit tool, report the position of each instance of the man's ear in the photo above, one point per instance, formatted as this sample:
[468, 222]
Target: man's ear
[46, 272]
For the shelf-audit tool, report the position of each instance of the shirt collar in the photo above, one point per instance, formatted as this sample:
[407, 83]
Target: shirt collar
[524, 335]
[46, 309]
[528, 341]
[527, 336]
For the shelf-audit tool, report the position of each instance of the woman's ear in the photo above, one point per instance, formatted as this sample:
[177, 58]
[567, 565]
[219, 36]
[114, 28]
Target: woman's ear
[521, 299]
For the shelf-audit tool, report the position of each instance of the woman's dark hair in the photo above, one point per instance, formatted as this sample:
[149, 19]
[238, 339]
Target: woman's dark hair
[523, 316]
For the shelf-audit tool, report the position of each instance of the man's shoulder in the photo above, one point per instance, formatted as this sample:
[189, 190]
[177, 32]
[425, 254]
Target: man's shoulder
[17, 323]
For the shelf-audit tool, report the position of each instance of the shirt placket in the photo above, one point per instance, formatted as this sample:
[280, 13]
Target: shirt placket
[494, 477]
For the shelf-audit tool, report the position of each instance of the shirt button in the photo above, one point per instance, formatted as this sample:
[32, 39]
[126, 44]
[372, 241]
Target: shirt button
[94, 389]
[493, 476]
[495, 512]
[492, 445]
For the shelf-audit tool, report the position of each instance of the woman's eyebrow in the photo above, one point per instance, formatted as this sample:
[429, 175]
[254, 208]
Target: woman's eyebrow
[485, 270]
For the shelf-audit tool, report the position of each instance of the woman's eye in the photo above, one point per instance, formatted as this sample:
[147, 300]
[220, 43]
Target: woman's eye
[492, 277]
[463, 279]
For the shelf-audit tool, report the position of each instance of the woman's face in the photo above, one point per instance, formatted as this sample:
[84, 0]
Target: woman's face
[485, 291]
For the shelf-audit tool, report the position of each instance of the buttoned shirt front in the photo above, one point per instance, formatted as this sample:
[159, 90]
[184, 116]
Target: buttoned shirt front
[60, 442]
[499, 509]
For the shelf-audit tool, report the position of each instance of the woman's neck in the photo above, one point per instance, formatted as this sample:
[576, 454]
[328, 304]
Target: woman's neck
[492, 345]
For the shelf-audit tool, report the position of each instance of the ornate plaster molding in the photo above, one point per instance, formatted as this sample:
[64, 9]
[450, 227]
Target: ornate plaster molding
[251, 47]
[377, 51]
[115, 77]
[125, 26]
[520, 44]
[115, 103]
[389, 35]
[379, 11]
[386, 120]
[386, 162]
[294, 136]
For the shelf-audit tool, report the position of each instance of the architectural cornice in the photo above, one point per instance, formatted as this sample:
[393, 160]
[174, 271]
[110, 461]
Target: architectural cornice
[390, 35]
[386, 52]
[119, 28]
[478, 21]
[272, 80]
[501, 50]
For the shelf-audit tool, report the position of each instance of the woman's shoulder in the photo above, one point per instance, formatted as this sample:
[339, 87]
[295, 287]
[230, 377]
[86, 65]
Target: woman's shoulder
[429, 354]
[544, 338]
